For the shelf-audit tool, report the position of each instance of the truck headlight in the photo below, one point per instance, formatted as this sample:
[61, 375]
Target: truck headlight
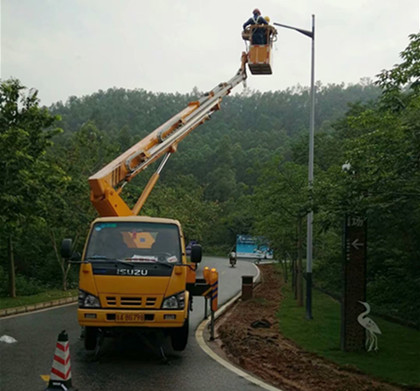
[86, 300]
[174, 302]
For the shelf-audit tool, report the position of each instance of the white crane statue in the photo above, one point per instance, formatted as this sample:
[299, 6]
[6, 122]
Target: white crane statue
[371, 328]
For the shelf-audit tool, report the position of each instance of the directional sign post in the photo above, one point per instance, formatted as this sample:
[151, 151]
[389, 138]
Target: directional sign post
[354, 268]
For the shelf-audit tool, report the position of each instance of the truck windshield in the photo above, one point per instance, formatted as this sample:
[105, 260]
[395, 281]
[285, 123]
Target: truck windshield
[134, 242]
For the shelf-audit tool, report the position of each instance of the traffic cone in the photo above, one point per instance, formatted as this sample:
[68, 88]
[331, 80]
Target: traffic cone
[60, 378]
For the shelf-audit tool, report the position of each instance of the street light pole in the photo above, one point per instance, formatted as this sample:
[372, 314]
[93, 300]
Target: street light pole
[310, 216]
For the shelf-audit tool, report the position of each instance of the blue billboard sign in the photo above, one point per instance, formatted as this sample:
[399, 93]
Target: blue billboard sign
[248, 246]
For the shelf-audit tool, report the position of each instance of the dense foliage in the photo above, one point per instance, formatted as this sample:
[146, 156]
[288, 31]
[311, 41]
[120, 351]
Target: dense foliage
[380, 147]
[244, 172]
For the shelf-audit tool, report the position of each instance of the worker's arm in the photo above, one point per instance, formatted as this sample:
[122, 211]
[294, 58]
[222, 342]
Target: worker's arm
[248, 22]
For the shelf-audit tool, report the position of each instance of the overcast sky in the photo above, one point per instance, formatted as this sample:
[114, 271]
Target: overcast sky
[76, 47]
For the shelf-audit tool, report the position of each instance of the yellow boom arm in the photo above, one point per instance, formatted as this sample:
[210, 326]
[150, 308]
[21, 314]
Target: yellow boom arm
[107, 184]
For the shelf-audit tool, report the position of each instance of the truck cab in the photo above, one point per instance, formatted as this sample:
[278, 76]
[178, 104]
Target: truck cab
[134, 273]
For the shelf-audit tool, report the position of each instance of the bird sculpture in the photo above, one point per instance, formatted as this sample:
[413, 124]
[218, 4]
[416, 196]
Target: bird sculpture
[371, 328]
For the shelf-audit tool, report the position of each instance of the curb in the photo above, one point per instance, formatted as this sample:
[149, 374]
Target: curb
[199, 336]
[38, 306]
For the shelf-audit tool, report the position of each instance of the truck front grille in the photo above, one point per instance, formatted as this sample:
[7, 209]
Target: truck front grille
[131, 302]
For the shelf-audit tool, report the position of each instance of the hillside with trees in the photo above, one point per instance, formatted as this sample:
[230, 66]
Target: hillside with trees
[245, 171]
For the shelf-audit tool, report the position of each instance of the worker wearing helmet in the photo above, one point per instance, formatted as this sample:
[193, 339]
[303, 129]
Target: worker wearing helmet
[259, 33]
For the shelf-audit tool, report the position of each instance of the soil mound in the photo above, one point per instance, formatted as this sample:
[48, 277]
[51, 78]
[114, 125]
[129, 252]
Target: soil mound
[249, 336]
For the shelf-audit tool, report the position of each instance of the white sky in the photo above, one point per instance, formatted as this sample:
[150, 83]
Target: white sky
[76, 47]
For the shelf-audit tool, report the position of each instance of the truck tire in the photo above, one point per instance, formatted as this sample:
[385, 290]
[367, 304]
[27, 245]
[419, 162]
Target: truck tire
[91, 337]
[179, 336]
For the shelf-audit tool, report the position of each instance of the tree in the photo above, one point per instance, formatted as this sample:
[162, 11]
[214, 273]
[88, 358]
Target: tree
[84, 153]
[402, 83]
[381, 156]
[282, 203]
[25, 133]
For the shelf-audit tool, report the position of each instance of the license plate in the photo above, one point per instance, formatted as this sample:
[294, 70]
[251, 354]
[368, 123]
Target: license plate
[129, 317]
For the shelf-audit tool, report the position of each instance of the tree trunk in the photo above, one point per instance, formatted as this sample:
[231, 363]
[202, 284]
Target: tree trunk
[294, 278]
[286, 275]
[63, 266]
[294, 268]
[64, 281]
[12, 275]
[299, 276]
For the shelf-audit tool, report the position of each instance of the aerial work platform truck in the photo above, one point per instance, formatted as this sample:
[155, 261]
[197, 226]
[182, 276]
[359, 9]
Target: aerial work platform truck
[134, 270]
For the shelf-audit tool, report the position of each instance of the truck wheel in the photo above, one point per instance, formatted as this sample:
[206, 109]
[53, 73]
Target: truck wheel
[91, 336]
[179, 336]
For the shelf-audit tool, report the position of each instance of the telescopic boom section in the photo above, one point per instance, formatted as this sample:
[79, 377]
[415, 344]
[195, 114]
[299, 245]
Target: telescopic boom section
[107, 184]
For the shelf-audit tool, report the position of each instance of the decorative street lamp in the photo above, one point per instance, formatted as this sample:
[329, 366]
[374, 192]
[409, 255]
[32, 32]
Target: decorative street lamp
[310, 34]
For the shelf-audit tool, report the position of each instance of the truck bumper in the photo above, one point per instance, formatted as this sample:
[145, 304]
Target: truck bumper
[96, 317]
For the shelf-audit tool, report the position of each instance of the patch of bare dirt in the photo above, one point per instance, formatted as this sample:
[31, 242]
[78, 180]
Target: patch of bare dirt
[249, 336]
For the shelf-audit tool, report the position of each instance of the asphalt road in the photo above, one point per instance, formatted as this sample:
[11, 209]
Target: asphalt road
[126, 363]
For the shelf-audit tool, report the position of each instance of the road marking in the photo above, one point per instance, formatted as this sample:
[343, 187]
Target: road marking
[199, 336]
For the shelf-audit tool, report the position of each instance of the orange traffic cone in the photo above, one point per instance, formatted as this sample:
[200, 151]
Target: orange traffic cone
[60, 378]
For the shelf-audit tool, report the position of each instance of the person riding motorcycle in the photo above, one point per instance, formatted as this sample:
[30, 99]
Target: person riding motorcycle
[232, 258]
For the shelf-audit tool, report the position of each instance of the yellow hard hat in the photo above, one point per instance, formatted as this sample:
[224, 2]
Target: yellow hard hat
[267, 19]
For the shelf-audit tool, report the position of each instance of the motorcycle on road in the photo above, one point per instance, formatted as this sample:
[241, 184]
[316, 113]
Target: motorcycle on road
[232, 259]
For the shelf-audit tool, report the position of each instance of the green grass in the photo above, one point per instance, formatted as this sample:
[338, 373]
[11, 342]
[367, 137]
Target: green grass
[398, 357]
[8, 302]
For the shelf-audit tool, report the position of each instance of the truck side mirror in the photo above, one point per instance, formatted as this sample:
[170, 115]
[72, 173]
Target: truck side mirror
[66, 248]
[196, 253]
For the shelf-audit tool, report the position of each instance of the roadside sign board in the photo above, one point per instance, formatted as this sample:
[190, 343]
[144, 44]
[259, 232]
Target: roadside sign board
[354, 269]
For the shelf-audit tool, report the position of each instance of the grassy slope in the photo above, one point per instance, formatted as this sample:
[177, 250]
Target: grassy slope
[398, 358]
